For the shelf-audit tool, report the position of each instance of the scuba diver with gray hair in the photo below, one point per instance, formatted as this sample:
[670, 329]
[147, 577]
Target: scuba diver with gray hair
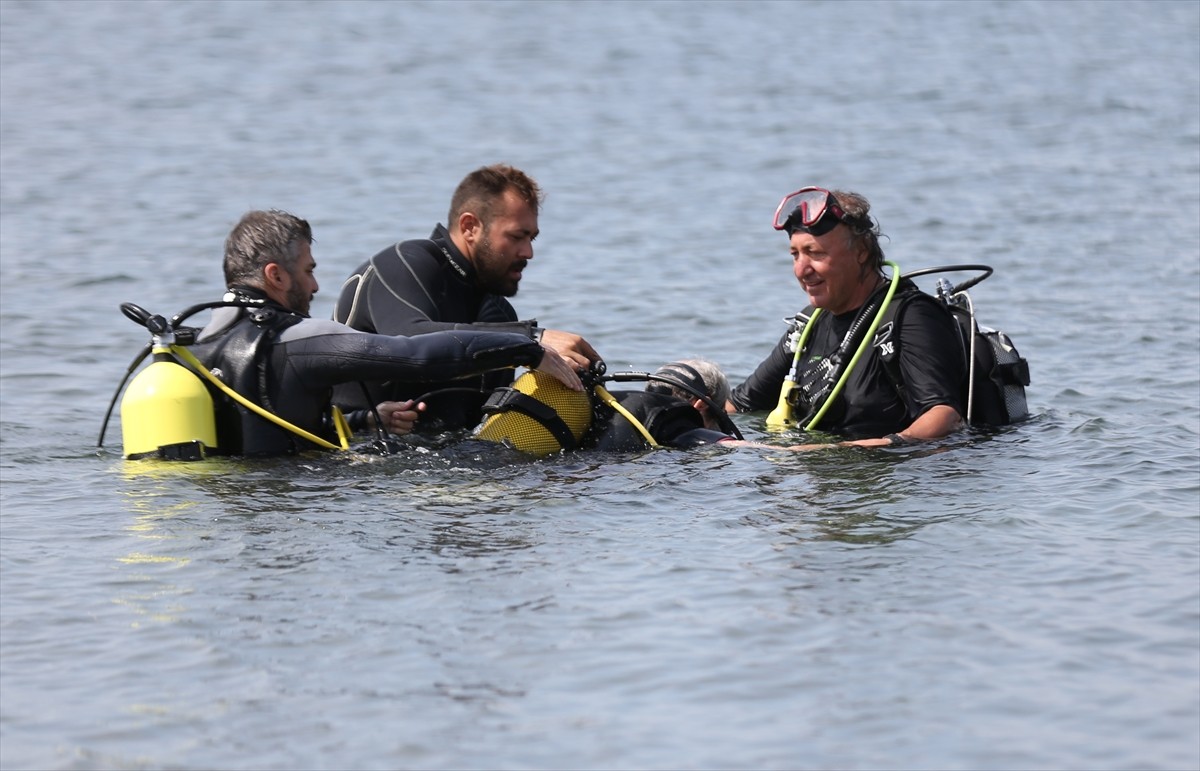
[671, 409]
[681, 406]
[271, 368]
[880, 373]
[828, 370]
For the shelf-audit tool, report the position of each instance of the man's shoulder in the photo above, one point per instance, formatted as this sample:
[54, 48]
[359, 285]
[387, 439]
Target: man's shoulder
[420, 250]
[422, 258]
[696, 437]
[307, 327]
[913, 307]
[925, 323]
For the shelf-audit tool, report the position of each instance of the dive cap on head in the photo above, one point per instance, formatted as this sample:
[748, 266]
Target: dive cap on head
[812, 210]
[679, 376]
[538, 415]
[678, 373]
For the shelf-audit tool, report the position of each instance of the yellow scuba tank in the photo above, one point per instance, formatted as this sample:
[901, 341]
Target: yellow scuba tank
[538, 415]
[167, 412]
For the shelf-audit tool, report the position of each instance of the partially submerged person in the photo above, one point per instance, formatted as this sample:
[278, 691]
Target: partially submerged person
[670, 409]
[459, 278]
[268, 349]
[837, 259]
[681, 406]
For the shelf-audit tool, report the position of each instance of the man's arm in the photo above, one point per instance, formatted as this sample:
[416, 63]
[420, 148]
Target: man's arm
[321, 354]
[936, 422]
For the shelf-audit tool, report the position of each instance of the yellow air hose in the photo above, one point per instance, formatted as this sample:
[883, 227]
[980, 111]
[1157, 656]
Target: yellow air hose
[781, 416]
[339, 420]
[862, 347]
[611, 401]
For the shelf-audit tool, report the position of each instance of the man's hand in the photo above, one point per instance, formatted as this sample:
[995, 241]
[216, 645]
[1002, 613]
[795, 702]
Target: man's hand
[399, 417]
[560, 368]
[570, 346]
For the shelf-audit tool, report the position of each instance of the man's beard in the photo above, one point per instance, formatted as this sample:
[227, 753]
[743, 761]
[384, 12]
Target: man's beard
[298, 300]
[491, 271]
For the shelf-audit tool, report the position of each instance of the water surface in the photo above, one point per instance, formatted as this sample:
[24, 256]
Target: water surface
[1028, 599]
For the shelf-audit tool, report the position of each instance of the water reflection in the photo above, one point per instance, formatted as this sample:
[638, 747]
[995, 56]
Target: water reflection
[852, 495]
[160, 554]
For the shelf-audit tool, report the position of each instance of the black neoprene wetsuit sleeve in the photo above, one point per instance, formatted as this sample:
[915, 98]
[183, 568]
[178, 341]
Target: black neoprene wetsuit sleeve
[932, 364]
[319, 354]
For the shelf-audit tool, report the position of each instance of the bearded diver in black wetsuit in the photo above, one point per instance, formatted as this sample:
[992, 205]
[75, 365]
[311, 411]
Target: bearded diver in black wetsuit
[457, 279]
[271, 351]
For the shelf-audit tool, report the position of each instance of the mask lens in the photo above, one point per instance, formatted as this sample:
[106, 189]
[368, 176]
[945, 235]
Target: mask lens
[805, 207]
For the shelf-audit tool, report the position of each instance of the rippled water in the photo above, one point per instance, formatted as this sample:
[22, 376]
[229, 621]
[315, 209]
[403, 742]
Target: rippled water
[1029, 599]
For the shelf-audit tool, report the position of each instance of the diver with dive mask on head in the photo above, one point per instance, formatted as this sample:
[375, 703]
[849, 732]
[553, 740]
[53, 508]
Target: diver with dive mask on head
[825, 365]
[874, 358]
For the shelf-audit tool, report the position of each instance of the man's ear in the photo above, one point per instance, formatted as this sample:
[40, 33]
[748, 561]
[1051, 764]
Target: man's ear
[275, 275]
[470, 226]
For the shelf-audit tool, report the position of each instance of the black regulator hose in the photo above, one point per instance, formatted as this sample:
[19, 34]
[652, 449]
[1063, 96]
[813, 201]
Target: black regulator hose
[964, 286]
[140, 316]
[132, 366]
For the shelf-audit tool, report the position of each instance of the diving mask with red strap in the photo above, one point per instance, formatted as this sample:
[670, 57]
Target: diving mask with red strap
[812, 210]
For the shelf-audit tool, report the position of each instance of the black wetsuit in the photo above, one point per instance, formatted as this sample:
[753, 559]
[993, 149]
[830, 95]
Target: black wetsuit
[932, 366]
[289, 364]
[672, 422]
[418, 286]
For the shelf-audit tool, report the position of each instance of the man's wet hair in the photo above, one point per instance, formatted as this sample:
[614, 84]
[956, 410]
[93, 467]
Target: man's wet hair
[864, 231]
[260, 238]
[711, 379]
[480, 190]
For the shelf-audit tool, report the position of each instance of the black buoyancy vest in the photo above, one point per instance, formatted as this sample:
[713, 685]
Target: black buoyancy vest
[663, 415]
[240, 357]
[1000, 372]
